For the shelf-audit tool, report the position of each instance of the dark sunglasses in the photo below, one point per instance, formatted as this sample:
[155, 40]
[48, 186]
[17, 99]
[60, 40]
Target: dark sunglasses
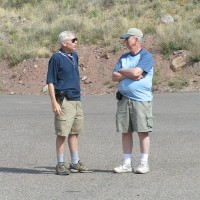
[74, 40]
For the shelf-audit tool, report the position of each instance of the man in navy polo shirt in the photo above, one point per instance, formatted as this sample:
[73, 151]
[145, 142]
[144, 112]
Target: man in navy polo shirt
[134, 72]
[64, 90]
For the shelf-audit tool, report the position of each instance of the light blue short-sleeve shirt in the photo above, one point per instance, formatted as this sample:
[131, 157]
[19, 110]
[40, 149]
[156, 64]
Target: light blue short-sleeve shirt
[139, 90]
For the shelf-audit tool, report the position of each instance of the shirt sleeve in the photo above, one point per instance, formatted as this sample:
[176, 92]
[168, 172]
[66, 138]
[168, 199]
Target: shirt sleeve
[118, 66]
[52, 70]
[76, 59]
[146, 62]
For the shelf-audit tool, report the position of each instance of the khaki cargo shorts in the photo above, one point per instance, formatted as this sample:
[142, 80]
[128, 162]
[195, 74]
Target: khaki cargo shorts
[134, 116]
[71, 120]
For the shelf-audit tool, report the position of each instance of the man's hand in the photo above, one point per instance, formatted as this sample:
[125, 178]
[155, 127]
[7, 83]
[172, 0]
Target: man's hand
[55, 105]
[138, 78]
[56, 108]
[116, 76]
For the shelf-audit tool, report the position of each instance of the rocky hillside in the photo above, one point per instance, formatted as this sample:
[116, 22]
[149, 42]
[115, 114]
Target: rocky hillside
[173, 74]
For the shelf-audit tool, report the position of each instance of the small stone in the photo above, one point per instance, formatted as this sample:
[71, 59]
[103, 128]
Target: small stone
[84, 78]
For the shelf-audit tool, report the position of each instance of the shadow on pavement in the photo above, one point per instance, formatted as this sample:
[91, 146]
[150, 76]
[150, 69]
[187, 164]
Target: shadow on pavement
[27, 171]
[50, 170]
[102, 171]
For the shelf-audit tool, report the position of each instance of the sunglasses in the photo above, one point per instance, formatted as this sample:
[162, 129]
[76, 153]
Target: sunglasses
[74, 40]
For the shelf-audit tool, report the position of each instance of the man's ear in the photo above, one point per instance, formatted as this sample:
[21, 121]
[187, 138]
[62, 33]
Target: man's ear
[63, 43]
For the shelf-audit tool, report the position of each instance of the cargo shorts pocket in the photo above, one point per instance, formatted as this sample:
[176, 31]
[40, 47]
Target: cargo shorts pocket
[59, 125]
[149, 119]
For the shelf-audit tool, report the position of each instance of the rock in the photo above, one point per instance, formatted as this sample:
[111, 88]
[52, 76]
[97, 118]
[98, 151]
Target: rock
[45, 89]
[177, 63]
[13, 76]
[196, 67]
[88, 81]
[84, 78]
[106, 56]
[81, 65]
[184, 53]
[167, 19]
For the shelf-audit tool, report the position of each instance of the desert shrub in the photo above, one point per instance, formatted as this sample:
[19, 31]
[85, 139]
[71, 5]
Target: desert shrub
[116, 47]
[195, 58]
[156, 80]
[95, 22]
[2, 53]
[150, 30]
[110, 84]
[178, 84]
[1, 85]
[17, 3]
[167, 48]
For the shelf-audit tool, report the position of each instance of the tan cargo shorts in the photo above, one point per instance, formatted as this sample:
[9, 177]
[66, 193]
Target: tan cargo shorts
[71, 119]
[134, 116]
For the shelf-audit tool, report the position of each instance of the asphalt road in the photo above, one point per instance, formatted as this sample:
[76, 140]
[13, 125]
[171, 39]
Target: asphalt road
[27, 152]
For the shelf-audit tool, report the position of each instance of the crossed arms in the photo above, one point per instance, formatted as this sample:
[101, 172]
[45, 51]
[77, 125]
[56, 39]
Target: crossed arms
[132, 73]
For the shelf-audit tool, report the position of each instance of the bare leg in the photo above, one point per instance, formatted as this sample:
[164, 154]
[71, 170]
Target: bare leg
[61, 168]
[127, 143]
[76, 165]
[73, 142]
[144, 148]
[73, 147]
[144, 142]
[60, 144]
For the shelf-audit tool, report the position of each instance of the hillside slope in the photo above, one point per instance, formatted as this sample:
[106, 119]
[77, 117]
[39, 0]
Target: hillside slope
[96, 65]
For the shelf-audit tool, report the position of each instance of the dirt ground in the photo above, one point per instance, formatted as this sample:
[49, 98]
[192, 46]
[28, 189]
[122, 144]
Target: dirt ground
[96, 65]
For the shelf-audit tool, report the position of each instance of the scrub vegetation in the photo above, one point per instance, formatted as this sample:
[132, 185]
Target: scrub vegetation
[29, 29]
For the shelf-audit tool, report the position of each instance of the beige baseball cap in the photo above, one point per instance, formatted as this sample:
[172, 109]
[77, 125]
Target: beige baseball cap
[132, 32]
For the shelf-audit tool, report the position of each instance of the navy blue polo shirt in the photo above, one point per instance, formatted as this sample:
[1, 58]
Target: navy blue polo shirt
[63, 73]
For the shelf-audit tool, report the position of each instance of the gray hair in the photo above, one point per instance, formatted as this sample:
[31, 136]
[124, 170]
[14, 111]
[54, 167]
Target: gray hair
[64, 36]
[141, 40]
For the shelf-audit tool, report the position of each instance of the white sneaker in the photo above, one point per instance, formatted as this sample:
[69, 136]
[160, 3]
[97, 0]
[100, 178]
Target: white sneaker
[124, 168]
[142, 169]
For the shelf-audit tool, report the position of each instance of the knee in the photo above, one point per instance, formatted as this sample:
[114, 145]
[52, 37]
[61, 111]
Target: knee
[143, 134]
[61, 138]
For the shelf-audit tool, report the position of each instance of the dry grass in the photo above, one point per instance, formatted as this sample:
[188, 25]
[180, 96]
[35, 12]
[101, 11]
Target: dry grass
[31, 29]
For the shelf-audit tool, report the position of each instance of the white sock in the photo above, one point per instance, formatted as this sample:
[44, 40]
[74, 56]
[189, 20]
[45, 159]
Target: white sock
[127, 159]
[144, 159]
[60, 158]
[74, 157]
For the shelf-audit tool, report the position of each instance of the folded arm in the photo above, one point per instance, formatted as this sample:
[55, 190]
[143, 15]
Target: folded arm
[132, 73]
[116, 76]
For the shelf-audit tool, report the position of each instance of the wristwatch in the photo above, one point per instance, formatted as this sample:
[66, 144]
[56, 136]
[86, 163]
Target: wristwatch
[119, 70]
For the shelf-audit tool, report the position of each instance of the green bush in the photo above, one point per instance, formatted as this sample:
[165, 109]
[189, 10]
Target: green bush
[196, 58]
[167, 48]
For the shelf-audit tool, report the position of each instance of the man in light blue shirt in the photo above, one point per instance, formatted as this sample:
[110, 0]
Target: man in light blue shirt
[134, 72]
